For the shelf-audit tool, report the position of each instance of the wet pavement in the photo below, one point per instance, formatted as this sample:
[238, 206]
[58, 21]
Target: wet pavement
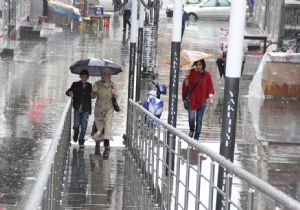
[33, 98]
[94, 182]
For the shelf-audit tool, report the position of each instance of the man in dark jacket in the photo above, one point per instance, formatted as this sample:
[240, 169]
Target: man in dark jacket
[81, 93]
[126, 14]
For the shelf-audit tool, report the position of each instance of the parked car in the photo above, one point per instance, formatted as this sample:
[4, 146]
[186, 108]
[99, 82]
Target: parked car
[169, 10]
[207, 9]
[107, 5]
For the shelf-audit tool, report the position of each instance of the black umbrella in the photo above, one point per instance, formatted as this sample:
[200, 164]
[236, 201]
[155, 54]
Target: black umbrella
[95, 66]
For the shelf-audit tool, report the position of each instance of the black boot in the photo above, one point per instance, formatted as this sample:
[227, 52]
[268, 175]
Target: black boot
[191, 134]
[97, 148]
[106, 144]
[106, 150]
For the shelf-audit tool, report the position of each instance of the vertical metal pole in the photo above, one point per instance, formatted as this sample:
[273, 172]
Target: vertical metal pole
[174, 73]
[211, 185]
[157, 165]
[149, 150]
[170, 170]
[250, 205]
[231, 92]
[164, 162]
[198, 185]
[228, 191]
[141, 140]
[140, 51]
[152, 158]
[129, 126]
[9, 17]
[85, 8]
[52, 185]
[177, 174]
[133, 39]
[187, 179]
[143, 146]
[141, 137]
[135, 131]
[72, 25]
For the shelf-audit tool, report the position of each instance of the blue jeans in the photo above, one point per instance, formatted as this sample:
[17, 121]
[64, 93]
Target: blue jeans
[80, 122]
[198, 114]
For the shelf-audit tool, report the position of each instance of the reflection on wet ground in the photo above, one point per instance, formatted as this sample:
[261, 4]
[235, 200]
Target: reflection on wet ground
[95, 183]
[33, 98]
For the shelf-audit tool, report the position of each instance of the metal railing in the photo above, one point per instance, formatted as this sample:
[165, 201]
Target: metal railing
[191, 183]
[48, 190]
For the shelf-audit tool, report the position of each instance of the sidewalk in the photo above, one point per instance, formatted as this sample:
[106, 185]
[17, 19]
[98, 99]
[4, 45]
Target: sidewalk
[95, 183]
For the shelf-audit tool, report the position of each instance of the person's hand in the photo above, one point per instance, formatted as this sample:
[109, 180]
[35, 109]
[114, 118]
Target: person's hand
[70, 93]
[113, 92]
[94, 89]
[210, 100]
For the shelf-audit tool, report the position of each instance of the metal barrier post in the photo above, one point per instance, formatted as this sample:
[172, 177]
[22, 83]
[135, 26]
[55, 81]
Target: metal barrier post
[136, 133]
[139, 51]
[198, 185]
[170, 160]
[149, 154]
[147, 151]
[157, 166]
[187, 179]
[250, 199]
[152, 159]
[211, 185]
[140, 136]
[177, 174]
[228, 191]
[144, 146]
[128, 127]
[52, 183]
[164, 162]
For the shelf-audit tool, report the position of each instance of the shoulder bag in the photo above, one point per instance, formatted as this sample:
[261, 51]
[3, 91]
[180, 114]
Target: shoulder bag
[186, 101]
[115, 103]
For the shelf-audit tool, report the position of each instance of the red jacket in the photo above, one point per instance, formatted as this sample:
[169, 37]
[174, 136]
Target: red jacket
[202, 91]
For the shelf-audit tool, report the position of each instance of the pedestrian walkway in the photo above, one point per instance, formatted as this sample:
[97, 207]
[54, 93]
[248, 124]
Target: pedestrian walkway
[95, 183]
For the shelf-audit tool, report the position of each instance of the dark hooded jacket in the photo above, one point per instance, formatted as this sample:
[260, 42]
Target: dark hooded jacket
[81, 96]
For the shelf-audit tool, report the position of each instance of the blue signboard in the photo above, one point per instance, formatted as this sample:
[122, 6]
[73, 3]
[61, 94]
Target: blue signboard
[99, 11]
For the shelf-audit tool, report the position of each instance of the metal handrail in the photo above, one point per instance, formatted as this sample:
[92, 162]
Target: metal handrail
[263, 187]
[44, 188]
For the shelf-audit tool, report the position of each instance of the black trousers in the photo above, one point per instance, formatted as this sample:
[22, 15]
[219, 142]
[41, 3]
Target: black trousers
[126, 17]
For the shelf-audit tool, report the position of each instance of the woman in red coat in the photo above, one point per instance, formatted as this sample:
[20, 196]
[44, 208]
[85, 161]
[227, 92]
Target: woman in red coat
[198, 85]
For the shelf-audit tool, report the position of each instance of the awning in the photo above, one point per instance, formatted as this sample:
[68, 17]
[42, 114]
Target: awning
[64, 9]
[292, 3]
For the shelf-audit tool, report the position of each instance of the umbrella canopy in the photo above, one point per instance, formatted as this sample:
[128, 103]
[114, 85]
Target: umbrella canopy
[190, 56]
[95, 66]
